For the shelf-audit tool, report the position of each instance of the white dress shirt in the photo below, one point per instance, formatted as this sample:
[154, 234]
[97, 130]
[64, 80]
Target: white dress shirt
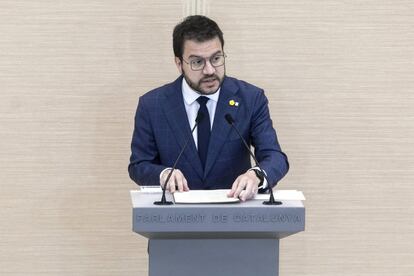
[191, 106]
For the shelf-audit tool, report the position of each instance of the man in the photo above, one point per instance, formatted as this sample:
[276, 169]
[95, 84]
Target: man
[215, 157]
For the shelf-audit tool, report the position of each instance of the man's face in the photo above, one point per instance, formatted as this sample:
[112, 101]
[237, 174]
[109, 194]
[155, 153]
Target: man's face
[208, 80]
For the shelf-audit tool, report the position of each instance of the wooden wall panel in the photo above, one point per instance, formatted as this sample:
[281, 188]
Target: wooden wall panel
[338, 78]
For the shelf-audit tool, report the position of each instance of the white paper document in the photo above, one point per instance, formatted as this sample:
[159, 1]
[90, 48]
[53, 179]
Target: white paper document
[204, 196]
[220, 196]
[150, 189]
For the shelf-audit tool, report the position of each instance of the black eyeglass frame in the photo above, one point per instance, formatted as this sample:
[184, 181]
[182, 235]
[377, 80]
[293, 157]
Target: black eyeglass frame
[205, 61]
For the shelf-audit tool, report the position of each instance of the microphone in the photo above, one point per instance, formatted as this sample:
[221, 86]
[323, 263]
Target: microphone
[163, 200]
[271, 200]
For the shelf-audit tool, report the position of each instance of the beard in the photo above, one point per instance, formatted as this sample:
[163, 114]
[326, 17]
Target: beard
[198, 86]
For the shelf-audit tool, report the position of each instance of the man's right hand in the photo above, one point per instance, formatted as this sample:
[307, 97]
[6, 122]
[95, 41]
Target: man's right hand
[177, 181]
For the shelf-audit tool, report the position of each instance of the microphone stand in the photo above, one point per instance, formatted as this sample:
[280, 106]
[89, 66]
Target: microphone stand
[271, 200]
[163, 200]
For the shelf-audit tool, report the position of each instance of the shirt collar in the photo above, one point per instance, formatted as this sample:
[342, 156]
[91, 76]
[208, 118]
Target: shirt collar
[190, 95]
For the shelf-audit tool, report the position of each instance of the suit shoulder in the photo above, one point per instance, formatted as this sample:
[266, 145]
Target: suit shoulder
[154, 96]
[244, 86]
[156, 92]
[245, 89]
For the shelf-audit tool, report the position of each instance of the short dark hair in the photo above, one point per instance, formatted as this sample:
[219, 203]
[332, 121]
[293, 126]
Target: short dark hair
[195, 27]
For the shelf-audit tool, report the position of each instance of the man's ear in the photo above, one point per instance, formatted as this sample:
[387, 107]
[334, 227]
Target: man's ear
[178, 63]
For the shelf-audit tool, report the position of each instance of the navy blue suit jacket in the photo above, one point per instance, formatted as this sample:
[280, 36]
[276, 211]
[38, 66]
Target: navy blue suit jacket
[162, 128]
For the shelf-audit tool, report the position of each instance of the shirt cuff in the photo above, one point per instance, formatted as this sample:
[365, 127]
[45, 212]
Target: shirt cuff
[166, 169]
[264, 184]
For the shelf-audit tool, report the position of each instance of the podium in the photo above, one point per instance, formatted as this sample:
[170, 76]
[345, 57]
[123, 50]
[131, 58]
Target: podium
[214, 239]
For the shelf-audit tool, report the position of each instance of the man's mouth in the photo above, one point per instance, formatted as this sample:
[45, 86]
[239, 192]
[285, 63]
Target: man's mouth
[209, 80]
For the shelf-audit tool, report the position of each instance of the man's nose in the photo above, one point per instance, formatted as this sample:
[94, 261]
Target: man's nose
[208, 68]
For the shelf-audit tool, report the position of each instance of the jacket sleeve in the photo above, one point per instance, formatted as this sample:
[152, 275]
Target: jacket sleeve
[144, 167]
[264, 139]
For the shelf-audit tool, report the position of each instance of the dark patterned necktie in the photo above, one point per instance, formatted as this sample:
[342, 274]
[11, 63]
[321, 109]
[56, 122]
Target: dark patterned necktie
[203, 130]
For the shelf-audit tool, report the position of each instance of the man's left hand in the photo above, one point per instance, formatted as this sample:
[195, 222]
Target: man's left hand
[245, 186]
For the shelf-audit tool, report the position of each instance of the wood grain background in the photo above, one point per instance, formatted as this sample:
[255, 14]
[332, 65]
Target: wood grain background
[338, 75]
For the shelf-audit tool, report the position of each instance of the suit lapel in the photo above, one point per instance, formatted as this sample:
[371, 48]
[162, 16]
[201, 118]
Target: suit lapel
[221, 128]
[173, 107]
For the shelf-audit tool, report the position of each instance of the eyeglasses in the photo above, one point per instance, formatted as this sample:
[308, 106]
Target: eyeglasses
[198, 63]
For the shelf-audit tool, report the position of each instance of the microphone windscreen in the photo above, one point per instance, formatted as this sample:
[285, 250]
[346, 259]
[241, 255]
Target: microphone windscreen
[229, 119]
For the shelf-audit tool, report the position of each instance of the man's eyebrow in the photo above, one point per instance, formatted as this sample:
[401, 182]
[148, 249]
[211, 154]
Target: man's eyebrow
[195, 56]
